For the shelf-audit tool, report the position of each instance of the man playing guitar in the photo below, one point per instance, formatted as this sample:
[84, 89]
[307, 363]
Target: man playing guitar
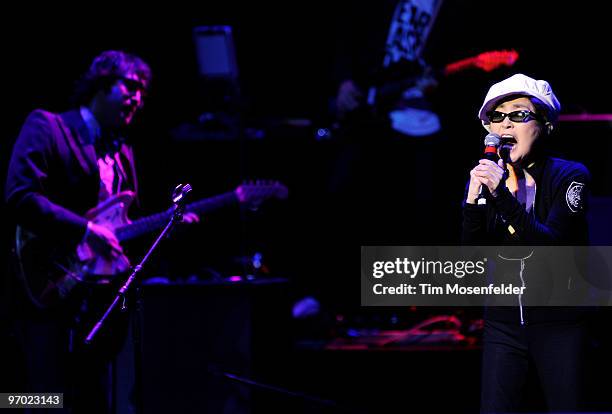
[70, 182]
[61, 166]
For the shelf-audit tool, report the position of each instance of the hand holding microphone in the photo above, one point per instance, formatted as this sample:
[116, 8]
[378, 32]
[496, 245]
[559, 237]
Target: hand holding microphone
[487, 175]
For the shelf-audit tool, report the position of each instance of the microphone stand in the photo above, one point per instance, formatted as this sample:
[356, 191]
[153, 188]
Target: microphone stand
[178, 197]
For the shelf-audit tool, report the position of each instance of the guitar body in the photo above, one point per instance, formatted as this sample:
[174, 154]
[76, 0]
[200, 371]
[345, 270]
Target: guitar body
[43, 267]
[50, 271]
[112, 214]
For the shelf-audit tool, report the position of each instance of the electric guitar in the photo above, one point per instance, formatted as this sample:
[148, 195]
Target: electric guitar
[50, 273]
[409, 114]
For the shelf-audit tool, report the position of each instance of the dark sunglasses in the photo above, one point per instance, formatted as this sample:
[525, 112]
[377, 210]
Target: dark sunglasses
[522, 115]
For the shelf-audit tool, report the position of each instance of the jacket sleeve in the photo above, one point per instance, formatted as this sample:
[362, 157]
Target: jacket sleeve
[474, 226]
[30, 167]
[566, 221]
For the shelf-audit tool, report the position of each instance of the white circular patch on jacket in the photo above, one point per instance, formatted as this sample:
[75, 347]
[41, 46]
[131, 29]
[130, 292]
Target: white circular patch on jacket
[573, 197]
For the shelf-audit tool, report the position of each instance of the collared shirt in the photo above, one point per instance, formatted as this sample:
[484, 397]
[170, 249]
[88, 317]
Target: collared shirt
[522, 186]
[112, 173]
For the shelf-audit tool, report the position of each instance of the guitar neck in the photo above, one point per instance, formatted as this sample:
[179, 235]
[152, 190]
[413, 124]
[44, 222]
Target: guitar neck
[459, 66]
[156, 221]
[396, 87]
[486, 61]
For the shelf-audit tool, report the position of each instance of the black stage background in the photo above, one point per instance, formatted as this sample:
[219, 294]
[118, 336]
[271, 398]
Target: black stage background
[341, 194]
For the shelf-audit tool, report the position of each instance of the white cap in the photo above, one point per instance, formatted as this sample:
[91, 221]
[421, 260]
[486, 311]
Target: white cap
[520, 84]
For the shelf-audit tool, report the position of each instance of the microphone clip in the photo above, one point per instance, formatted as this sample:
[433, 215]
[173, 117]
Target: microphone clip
[180, 192]
[179, 196]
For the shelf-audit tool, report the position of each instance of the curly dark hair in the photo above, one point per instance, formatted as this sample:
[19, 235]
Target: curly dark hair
[106, 68]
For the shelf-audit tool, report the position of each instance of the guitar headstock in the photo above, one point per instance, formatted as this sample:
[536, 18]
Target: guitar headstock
[254, 192]
[489, 61]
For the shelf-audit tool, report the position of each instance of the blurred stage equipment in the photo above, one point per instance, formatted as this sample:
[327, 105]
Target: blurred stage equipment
[219, 89]
[215, 52]
[443, 331]
[221, 102]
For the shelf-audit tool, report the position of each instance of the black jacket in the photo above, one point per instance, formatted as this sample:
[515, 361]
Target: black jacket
[558, 218]
[53, 176]
[53, 180]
